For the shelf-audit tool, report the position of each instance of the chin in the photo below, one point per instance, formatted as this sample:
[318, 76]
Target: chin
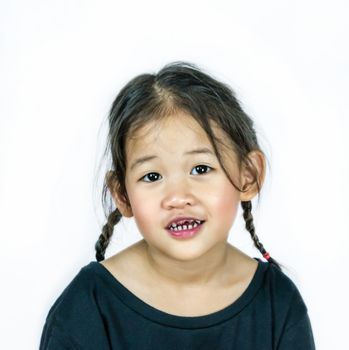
[186, 252]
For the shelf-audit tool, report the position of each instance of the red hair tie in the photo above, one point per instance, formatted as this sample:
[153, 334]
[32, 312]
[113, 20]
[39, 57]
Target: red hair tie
[266, 256]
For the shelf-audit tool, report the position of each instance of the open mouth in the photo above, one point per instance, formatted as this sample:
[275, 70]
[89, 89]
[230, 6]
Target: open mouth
[187, 225]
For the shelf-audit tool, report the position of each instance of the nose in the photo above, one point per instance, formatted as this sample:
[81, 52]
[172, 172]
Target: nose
[178, 196]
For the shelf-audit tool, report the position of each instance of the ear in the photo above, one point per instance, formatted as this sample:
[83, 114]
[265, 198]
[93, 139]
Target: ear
[118, 198]
[250, 189]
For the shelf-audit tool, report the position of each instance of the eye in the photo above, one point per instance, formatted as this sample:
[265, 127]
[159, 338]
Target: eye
[152, 176]
[201, 169]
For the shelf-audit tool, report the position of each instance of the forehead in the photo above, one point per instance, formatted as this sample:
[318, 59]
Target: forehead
[171, 134]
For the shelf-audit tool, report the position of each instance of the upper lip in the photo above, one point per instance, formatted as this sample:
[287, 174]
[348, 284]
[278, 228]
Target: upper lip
[181, 218]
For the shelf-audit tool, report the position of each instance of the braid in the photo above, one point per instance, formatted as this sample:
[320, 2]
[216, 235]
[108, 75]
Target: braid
[247, 207]
[107, 231]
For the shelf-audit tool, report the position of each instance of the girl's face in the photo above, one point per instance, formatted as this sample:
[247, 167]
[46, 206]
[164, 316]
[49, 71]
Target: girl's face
[175, 181]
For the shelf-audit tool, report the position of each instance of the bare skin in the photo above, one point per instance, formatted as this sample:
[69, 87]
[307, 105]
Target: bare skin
[133, 269]
[197, 276]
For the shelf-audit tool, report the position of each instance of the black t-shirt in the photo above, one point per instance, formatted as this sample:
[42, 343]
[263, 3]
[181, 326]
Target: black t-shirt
[95, 311]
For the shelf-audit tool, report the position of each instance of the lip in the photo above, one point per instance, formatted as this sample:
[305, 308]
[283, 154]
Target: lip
[181, 218]
[184, 234]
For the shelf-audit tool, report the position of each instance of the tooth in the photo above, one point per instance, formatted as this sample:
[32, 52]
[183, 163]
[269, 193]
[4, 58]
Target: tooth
[190, 227]
[184, 227]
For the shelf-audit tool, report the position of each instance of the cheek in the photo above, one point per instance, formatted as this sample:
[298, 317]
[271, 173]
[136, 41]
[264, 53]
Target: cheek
[225, 203]
[143, 210]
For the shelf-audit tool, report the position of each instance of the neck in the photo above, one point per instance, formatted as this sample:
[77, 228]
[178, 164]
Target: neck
[204, 271]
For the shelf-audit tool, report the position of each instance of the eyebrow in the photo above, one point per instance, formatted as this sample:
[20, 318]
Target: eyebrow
[139, 161]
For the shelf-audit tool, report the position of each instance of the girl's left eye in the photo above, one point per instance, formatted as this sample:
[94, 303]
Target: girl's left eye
[202, 169]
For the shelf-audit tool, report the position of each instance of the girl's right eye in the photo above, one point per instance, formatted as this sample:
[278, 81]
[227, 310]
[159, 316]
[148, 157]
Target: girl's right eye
[152, 176]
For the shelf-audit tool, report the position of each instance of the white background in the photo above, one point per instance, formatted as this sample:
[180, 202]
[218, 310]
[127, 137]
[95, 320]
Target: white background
[62, 64]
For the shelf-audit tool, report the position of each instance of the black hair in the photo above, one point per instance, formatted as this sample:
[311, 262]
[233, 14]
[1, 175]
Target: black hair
[178, 86]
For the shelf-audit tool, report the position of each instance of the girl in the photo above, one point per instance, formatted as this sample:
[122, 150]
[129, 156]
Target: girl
[184, 156]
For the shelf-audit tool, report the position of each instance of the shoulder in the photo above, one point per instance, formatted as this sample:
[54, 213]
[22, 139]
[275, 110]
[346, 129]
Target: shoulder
[283, 287]
[74, 313]
[292, 323]
[77, 289]
[273, 283]
[287, 303]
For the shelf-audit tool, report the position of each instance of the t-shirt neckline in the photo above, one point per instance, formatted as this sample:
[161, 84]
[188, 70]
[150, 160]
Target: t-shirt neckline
[162, 317]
